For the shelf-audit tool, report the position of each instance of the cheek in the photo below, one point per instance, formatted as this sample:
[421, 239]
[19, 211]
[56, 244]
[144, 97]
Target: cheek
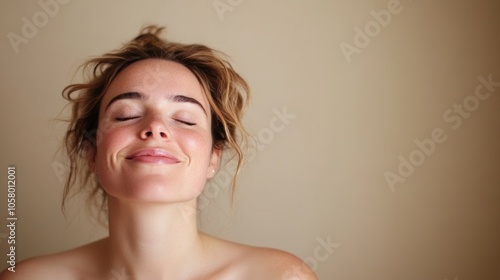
[196, 144]
[109, 143]
[110, 140]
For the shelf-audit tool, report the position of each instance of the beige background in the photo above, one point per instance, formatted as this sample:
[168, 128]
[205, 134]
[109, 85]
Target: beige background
[320, 176]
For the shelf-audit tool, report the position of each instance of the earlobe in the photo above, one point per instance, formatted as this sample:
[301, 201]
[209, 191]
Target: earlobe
[214, 163]
[91, 153]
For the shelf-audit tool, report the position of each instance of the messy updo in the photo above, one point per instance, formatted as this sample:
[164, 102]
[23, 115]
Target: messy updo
[226, 91]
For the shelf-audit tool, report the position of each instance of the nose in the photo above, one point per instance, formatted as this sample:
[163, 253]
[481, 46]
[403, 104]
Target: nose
[155, 128]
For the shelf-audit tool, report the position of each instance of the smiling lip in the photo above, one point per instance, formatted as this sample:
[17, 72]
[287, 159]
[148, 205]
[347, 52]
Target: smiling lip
[153, 156]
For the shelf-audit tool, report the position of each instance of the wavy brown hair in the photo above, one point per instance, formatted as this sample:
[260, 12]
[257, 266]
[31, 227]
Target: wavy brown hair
[227, 93]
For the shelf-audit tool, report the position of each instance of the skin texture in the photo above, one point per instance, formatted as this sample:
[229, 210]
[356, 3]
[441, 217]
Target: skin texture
[157, 191]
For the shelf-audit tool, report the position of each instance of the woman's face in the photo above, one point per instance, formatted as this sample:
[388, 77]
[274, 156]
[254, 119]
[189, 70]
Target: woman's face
[154, 142]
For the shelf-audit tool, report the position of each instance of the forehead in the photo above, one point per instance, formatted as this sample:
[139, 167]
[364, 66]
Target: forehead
[156, 78]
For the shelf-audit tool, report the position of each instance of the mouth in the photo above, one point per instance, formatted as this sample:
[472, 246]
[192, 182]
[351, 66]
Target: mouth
[155, 155]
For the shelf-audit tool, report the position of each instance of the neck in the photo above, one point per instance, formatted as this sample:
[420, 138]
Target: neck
[153, 241]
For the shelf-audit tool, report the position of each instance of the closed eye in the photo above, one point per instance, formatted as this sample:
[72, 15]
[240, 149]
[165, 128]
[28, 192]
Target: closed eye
[126, 118]
[185, 122]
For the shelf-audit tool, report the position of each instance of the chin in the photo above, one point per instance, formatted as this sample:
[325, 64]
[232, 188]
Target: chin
[154, 190]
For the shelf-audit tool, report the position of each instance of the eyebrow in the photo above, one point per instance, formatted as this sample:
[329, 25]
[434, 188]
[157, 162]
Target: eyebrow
[140, 96]
[187, 99]
[126, 95]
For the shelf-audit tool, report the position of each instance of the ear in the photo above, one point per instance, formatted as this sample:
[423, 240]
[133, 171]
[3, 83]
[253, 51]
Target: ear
[213, 166]
[91, 160]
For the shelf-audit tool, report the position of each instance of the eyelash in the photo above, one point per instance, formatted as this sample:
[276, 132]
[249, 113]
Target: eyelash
[186, 123]
[125, 119]
[135, 117]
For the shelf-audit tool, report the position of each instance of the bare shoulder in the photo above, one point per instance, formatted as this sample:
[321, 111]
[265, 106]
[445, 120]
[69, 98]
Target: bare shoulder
[64, 265]
[249, 262]
[279, 264]
[43, 267]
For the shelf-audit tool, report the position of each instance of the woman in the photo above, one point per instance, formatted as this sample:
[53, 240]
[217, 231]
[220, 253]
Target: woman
[147, 131]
